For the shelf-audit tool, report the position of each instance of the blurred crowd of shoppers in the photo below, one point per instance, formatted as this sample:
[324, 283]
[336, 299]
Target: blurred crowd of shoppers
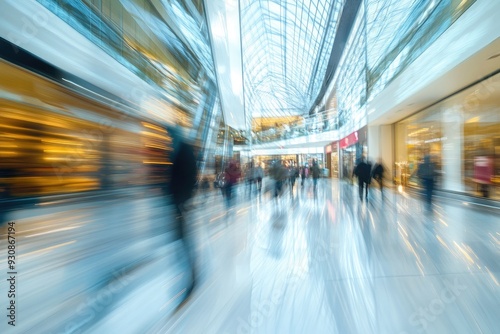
[365, 173]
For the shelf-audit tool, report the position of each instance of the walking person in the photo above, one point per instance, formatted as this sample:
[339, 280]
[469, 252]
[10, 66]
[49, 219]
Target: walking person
[378, 175]
[427, 174]
[363, 172]
[315, 174]
[182, 182]
[304, 174]
[258, 176]
[232, 176]
[293, 173]
[249, 178]
[279, 174]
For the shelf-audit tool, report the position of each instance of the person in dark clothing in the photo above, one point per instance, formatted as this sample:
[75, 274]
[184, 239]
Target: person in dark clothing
[184, 174]
[378, 175]
[249, 178]
[363, 172]
[427, 174]
[303, 175]
[258, 176]
[232, 176]
[279, 174]
[293, 173]
[182, 183]
[315, 173]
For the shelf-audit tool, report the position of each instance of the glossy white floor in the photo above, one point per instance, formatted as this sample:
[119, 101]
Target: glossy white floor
[303, 264]
[334, 264]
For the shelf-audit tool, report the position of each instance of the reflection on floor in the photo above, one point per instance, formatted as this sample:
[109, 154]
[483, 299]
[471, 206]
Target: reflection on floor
[305, 263]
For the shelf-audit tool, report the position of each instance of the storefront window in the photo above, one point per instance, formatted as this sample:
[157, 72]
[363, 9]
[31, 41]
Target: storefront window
[462, 134]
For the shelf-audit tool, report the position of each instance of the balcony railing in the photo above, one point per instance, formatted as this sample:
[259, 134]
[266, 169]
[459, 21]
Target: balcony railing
[307, 126]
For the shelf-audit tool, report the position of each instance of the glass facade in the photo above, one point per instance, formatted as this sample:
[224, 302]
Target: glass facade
[286, 47]
[350, 82]
[462, 134]
[166, 44]
[152, 41]
[387, 36]
[398, 31]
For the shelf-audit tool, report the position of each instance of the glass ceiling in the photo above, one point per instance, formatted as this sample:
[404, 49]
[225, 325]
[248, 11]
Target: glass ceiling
[389, 25]
[286, 46]
[384, 19]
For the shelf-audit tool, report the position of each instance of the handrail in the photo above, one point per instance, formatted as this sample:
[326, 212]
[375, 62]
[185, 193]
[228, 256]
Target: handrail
[309, 125]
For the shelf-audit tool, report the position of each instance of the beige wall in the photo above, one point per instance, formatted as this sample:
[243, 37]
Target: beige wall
[381, 145]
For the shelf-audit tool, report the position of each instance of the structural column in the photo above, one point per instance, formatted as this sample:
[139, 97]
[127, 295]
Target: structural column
[452, 149]
[381, 146]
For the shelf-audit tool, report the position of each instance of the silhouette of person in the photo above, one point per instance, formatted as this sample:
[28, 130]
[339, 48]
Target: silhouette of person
[182, 183]
[363, 172]
[249, 177]
[258, 176]
[293, 173]
[378, 175]
[315, 173]
[279, 174]
[427, 174]
[232, 175]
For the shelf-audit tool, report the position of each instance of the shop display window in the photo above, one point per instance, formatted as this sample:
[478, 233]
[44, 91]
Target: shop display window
[462, 134]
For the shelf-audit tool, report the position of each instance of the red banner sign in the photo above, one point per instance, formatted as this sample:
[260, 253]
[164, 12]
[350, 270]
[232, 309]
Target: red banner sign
[349, 140]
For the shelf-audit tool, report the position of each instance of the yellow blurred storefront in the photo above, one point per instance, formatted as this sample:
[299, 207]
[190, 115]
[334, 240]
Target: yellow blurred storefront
[462, 134]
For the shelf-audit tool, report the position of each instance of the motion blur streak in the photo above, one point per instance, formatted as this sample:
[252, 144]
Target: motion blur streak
[63, 143]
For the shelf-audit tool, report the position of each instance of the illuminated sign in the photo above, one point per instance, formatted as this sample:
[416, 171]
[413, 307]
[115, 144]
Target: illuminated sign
[349, 140]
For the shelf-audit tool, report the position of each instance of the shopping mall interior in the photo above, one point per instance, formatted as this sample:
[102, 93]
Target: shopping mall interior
[250, 166]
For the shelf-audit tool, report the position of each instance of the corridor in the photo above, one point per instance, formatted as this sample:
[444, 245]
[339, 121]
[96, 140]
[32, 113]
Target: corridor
[299, 264]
